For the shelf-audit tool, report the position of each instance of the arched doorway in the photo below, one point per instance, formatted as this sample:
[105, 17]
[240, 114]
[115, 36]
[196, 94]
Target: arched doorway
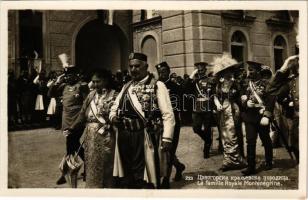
[149, 48]
[99, 45]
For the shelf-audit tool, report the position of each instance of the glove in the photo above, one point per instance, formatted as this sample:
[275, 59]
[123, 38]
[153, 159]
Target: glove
[291, 104]
[193, 74]
[244, 98]
[166, 146]
[60, 79]
[288, 63]
[250, 104]
[264, 121]
[219, 107]
[217, 103]
[67, 132]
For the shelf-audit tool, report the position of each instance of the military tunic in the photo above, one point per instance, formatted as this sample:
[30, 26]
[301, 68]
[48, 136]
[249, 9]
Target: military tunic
[252, 118]
[202, 115]
[72, 101]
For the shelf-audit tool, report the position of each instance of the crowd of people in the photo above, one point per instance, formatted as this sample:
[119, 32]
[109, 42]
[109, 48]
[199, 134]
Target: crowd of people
[131, 121]
[24, 113]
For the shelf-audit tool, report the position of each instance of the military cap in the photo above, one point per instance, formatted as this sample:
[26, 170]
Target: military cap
[257, 65]
[71, 70]
[162, 64]
[173, 75]
[201, 63]
[139, 56]
[266, 70]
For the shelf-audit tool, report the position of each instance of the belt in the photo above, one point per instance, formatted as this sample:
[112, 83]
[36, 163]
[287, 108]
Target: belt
[92, 121]
[132, 124]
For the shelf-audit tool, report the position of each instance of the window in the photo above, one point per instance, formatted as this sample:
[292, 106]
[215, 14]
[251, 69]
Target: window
[280, 53]
[239, 46]
[149, 48]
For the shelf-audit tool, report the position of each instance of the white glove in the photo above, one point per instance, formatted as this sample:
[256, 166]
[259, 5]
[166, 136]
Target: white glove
[219, 107]
[244, 98]
[250, 104]
[66, 132]
[192, 75]
[60, 78]
[217, 104]
[285, 65]
[264, 121]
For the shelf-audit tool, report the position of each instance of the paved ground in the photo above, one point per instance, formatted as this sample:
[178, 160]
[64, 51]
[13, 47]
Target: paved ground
[34, 156]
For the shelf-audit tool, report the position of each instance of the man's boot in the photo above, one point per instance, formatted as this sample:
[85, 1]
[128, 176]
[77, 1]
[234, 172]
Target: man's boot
[61, 180]
[251, 155]
[180, 167]
[268, 157]
[206, 150]
[165, 183]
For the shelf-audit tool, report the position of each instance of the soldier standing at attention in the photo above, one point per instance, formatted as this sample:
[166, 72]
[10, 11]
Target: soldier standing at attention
[176, 94]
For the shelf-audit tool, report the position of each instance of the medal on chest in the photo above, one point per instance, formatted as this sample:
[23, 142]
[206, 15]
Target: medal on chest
[71, 88]
[203, 90]
[146, 96]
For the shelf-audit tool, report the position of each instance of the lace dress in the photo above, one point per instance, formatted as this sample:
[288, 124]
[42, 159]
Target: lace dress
[99, 142]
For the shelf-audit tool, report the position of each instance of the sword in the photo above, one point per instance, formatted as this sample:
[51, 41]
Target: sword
[284, 140]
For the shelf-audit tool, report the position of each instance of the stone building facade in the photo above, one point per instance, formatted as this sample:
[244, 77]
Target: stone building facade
[100, 38]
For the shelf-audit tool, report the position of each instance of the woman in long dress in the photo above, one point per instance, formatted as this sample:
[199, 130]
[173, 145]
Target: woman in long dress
[226, 101]
[98, 135]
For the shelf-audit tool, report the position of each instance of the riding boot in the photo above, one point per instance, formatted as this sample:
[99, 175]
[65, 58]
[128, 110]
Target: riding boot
[180, 167]
[268, 156]
[206, 150]
[251, 160]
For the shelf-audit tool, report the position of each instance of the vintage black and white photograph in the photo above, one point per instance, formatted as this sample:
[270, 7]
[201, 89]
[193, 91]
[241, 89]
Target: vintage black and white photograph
[153, 99]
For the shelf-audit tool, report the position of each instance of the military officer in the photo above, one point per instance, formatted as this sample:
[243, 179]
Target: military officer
[285, 87]
[202, 88]
[176, 94]
[73, 94]
[144, 119]
[257, 112]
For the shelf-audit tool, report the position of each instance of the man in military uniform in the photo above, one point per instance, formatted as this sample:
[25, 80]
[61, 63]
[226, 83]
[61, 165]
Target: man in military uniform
[285, 87]
[257, 112]
[176, 94]
[202, 88]
[143, 115]
[73, 94]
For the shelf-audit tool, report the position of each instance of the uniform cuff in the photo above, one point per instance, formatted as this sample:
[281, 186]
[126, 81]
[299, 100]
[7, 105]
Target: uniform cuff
[167, 139]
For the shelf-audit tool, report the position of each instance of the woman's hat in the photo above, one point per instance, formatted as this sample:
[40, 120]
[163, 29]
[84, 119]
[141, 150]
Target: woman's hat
[224, 64]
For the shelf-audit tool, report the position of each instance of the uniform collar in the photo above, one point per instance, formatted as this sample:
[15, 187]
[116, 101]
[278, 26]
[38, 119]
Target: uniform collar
[142, 81]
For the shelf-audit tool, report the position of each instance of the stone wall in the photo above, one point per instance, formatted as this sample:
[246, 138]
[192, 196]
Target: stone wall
[183, 37]
[60, 29]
